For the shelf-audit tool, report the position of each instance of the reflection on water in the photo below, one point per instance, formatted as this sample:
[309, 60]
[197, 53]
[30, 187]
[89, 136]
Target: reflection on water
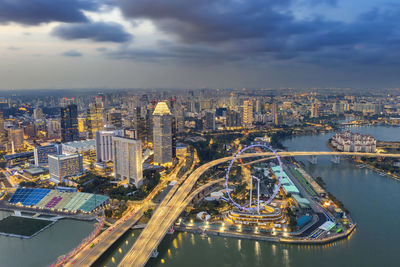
[367, 195]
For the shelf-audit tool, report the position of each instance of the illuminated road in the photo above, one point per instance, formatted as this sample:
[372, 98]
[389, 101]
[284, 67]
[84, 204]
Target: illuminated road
[170, 209]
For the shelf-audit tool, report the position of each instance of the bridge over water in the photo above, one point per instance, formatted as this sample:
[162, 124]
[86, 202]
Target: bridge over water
[170, 209]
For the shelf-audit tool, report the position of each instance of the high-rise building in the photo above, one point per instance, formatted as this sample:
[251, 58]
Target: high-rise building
[41, 153]
[81, 124]
[232, 118]
[315, 110]
[95, 120]
[209, 120]
[16, 139]
[2, 130]
[162, 134]
[275, 113]
[127, 157]
[69, 123]
[63, 166]
[247, 113]
[53, 128]
[104, 144]
[115, 118]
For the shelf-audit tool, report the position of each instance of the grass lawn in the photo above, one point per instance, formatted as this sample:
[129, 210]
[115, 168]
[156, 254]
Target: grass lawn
[22, 226]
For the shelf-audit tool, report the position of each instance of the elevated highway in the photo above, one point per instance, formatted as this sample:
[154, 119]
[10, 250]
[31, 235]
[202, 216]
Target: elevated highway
[171, 208]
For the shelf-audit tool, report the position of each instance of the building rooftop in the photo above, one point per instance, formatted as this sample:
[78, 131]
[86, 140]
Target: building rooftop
[162, 109]
[81, 144]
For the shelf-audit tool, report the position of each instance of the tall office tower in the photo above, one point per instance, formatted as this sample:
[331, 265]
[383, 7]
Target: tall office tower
[127, 157]
[53, 128]
[179, 119]
[2, 130]
[149, 122]
[162, 134]
[16, 139]
[30, 130]
[104, 144]
[69, 123]
[232, 118]
[209, 120]
[247, 113]
[63, 166]
[258, 107]
[115, 118]
[232, 100]
[95, 120]
[81, 124]
[41, 154]
[139, 124]
[173, 136]
[37, 113]
[315, 110]
[275, 113]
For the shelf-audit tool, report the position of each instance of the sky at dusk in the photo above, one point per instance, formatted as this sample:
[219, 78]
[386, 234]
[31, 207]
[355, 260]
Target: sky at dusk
[199, 43]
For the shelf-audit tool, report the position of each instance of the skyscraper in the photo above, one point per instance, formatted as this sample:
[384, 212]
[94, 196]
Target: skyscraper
[162, 134]
[315, 110]
[115, 118]
[209, 120]
[275, 113]
[69, 123]
[127, 157]
[95, 120]
[16, 139]
[104, 144]
[2, 130]
[41, 154]
[247, 113]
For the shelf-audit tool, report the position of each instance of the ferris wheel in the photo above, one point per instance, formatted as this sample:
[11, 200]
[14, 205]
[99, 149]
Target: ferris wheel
[249, 208]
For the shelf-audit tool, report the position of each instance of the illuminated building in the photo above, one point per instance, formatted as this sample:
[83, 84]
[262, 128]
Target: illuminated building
[16, 139]
[81, 124]
[95, 118]
[247, 113]
[315, 110]
[69, 123]
[162, 134]
[41, 154]
[2, 130]
[232, 118]
[275, 113]
[115, 118]
[209, 121]
[104, 144]
[127, 157]
[63, 166]
[53, 128]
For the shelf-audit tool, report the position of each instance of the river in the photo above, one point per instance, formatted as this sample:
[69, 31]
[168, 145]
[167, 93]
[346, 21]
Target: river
[373, 200]
[44, 248]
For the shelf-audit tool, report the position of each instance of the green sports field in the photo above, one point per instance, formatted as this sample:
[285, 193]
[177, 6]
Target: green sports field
[22, 226]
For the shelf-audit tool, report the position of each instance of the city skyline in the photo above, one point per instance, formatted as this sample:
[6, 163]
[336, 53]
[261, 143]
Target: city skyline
[215, 44]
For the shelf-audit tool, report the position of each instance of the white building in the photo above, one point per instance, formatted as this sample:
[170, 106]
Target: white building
[74, 147]
[63, 166]
[353, 142]
[162, 134]
[127, 157]
[104, 144]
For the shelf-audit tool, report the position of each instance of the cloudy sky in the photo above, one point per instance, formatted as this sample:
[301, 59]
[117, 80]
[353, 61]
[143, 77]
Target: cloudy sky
[199, 43]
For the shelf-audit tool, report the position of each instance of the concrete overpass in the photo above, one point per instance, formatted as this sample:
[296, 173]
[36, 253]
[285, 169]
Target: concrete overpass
[170, 209]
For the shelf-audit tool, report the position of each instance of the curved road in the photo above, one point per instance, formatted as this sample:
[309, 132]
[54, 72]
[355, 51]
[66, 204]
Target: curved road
[170, 209]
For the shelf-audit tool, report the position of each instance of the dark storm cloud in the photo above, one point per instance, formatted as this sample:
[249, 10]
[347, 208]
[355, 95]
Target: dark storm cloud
[267, 30]
[95, 31]
[72, 53]
[33, 12]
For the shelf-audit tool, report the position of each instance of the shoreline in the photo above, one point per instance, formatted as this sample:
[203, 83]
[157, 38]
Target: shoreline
[377, 170]
[284, 240]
